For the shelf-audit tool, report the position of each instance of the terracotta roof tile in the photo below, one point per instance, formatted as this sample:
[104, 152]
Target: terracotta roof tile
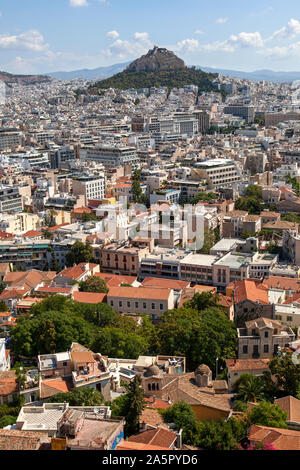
[88, 297]
[280, 439]
[167, 283]
[247, 364]
[14, 439]
[139, 293]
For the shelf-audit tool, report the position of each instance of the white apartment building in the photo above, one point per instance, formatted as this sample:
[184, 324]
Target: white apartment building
[4, 363]
[10, 138]
[91, 187]
[261, 264]
[111, 156]
[219, 172]
[288, 314]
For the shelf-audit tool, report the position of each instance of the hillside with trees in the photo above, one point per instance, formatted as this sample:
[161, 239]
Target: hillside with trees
[159, 68]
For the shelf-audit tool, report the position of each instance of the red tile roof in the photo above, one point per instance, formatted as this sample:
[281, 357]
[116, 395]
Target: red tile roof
[13, 439]
[280, 439]
[8, 383]
[139, 293]
[32, 234]
[249, 290]
[159, 437]
[88, 297]
[167, 283]
[54, 386]
[115, 280]
[285, 283]
[127, 445]
[247, 364]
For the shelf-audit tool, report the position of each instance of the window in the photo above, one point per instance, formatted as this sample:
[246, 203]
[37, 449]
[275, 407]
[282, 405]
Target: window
[144, 305]
[128, 304]
[255, 349]
[266, 348]
[266, 334]
[153, 306]
[120, 303]
[289, 319]
[65, 364]
[136, 305]
[161, 307]
[111, 303]
[253, 332]
[245, 349]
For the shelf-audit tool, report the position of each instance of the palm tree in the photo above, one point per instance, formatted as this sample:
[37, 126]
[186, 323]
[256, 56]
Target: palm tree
[249, 388]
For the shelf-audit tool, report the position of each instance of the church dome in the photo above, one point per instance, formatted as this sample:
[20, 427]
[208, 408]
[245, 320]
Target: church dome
[152, 371]
[202, 370]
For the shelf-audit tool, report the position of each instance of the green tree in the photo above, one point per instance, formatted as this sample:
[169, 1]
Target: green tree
[183, 416]
[2, 287]
[254, 191]
[79, 253]
[267, 414]
[119, 406]
[115, 342]
[247, 234]
[221, 435]
[199, 336]
[50, 332]
[136, 405]
[202, 301]
[249, 388]
[93, 284]
[209, 241]
[79, 397]
[7, 420]
[248, 204]
[287, 374]
[3, 306]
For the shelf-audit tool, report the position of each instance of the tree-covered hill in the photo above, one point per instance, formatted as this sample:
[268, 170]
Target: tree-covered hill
[158, 78]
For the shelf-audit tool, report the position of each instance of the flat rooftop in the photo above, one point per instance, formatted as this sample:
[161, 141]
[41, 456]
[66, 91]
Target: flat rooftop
[94, 432]
[201, 260]
[226, 244]
[214, 162]
[166, 254]
[234, 260]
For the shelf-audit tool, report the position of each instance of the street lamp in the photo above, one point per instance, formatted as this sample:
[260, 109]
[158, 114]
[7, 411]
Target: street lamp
[217, 366]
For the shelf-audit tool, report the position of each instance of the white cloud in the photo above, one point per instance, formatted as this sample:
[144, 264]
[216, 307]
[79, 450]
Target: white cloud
[141, 36]
[222, 20]
[289, 31]
[187, 45]
[78, 3]
[234, 42]
[138, 45]
[112, 35]
[29, 40]
[282, 52]
[199, 31]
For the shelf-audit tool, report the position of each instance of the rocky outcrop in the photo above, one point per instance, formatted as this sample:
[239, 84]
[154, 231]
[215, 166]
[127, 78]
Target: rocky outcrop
[157, 58]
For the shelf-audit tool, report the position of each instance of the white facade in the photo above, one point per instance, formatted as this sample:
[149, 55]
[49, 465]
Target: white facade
[4, 363]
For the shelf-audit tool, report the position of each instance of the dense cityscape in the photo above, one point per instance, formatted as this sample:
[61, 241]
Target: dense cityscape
[149, 261]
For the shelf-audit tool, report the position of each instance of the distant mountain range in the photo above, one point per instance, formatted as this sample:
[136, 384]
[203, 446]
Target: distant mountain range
[9, 79]
[257, 76]
[90, 74]
[101, 73]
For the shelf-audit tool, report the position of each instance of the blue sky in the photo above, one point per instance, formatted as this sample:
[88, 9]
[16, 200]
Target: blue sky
[40, 36]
